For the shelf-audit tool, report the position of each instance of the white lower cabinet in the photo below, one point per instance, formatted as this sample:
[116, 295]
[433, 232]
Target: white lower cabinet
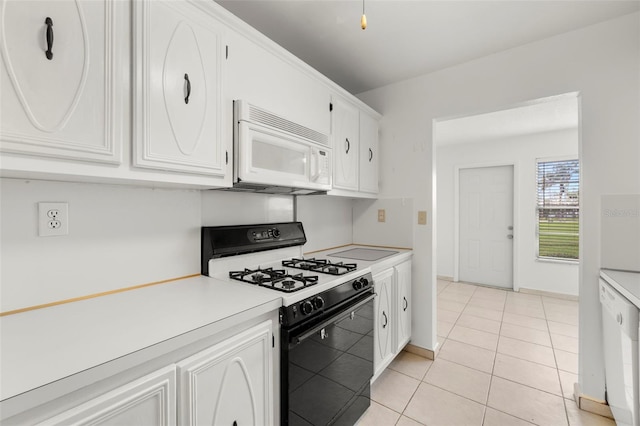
[392, 318]
[383, 319]
[150, 400]
[230, 383]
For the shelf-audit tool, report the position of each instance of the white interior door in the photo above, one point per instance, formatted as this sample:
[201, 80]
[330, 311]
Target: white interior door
[486, 226]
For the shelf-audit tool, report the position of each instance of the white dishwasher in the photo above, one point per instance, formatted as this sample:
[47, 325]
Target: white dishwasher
[620, 332]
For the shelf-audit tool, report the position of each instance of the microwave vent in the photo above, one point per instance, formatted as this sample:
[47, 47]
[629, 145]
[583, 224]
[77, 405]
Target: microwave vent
[261, 116]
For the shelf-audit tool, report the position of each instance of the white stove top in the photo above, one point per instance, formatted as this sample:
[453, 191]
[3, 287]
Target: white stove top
[220, 268]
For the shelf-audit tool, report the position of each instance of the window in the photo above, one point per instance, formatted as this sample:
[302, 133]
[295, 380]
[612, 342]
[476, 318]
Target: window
[558, 209]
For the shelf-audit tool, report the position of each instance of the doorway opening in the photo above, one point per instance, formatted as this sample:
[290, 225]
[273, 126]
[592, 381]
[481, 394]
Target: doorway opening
[488, 221]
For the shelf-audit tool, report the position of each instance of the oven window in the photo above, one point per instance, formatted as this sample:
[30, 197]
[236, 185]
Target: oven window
[268, 156]
[330, 372]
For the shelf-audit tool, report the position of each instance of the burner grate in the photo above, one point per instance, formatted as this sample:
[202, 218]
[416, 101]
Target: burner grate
[277, 279]
[320, 265]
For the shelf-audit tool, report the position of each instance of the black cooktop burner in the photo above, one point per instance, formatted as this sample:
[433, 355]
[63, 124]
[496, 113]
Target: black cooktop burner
[277, 279]
[320, 265]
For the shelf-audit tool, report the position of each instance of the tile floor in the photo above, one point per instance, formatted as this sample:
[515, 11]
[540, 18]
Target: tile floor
[506, 359]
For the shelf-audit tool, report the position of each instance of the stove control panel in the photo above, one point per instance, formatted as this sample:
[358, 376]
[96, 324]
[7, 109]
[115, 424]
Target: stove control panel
[315, 305]
[267, 234]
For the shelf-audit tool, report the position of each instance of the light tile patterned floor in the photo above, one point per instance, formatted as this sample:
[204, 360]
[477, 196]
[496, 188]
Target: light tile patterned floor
[506, 359]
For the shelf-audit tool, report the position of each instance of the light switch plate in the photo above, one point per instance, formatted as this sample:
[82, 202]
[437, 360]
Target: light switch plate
[422, 217]
[381, 215]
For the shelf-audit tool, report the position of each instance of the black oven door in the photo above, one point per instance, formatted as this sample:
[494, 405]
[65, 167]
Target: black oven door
[327, 367]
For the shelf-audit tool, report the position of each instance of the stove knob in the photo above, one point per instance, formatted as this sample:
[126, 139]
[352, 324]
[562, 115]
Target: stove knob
[306, 307]
[276, 233]
[357, 285]
[365, 282]
[318, 302]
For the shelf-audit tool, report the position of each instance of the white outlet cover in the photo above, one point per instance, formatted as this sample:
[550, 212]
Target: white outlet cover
[61, 227]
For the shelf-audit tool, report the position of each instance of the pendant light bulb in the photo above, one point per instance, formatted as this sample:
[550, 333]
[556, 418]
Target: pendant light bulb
[363, 20]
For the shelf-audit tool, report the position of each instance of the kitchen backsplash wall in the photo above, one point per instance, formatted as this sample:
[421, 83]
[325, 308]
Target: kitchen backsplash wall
[119, 236]
[395, 231]
[327, 221]
[235, 208]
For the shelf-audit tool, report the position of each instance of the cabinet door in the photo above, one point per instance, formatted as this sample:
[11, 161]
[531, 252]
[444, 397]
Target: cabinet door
[403, 307]
[150, 400]
[345, 130]
[368, 154]
[178, 94]
[382, 331]
[58, 104]
[229, 383]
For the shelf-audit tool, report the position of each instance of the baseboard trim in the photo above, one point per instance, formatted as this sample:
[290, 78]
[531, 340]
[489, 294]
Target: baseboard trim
[424, 353]
[444, 278]
[549, 294]
[592, 405]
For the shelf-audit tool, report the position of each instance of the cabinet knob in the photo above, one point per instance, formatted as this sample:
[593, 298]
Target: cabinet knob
[49, 23]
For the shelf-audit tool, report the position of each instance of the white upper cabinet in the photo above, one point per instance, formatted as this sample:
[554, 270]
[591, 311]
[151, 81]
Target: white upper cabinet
[345, 130]
[229, 383]
[368, 154]
[57, 76]
[178, 98]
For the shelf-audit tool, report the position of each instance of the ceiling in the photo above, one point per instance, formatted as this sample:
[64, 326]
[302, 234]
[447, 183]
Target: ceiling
[405, 39]
[545, 115]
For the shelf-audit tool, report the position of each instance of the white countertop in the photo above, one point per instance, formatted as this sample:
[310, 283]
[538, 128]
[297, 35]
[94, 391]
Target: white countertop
[41, 346]
[626, 283]
[375, 266]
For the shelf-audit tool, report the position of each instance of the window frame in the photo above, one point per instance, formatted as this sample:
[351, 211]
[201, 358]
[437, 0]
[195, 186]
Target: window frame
[555, 259]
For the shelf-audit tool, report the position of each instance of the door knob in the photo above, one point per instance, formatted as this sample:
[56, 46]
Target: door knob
[510, 237]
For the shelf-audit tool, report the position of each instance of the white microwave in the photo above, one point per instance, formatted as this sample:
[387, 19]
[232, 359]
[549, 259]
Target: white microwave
[275, 155]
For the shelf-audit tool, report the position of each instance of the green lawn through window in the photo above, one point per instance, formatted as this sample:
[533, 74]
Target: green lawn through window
[558, 239]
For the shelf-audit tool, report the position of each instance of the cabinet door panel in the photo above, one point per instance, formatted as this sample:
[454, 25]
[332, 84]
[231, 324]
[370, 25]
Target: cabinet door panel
[179, 80]
[403, 282]
[345, 133]
[383, 335]
[229, 382]
[58, 105]
[150, 400]
[368, 154]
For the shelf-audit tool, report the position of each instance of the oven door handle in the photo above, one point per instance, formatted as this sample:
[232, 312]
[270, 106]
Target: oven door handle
[330, 321]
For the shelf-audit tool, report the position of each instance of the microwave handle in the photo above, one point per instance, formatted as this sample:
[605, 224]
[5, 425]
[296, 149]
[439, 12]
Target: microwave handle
[315, 165]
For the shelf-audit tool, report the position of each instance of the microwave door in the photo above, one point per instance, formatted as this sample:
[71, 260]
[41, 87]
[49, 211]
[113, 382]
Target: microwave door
[270, 157]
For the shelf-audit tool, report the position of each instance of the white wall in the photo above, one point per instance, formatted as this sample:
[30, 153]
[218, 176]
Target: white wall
[395, 231]
[522, 152]
[602, 62]
[119, 236]
[327, 221]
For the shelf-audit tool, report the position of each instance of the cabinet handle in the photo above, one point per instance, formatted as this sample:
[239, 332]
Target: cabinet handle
[348, 145]
[406, 304]
[386, 321]
[49, 23]
[186, 99]
[370, 155]
[235, 423]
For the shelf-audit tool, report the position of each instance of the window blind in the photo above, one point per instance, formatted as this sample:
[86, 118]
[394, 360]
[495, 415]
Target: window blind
[558, 200]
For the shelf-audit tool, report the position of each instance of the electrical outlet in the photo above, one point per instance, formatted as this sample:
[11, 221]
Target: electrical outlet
[422, 217]
[53, 219]
[381, 215]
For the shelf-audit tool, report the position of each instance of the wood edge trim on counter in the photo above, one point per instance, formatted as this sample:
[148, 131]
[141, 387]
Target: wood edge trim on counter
[92, 296]
[354, 244]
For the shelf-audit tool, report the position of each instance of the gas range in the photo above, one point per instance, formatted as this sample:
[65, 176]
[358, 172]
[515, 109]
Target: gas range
[326, 317]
